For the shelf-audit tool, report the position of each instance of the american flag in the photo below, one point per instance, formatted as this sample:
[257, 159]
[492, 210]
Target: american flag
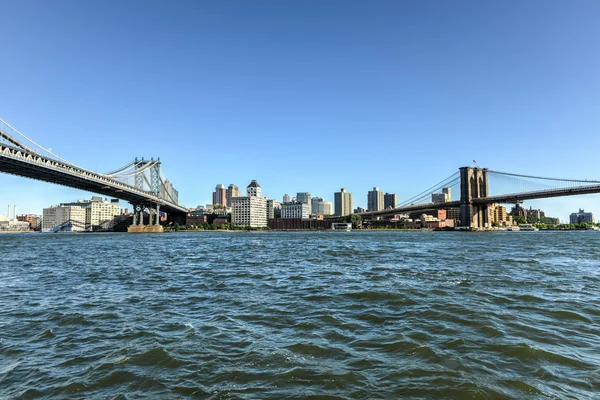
[474, 162]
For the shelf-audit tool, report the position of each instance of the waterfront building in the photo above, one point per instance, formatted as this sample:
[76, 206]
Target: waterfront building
[499, 215]
[251, 210]
[280, 224]
[343, 203]
[220, 196]
[273, 209]
[303, 197]
[32, 219]
[14, 225]
[390, 200]
[375, 200]
[321, 207]
[99, 213]
[14, 222]
[295, 210]
[65, 218]
[232, 191]
[286, 198]
[582, 216]
[453, 213]
[8, 216]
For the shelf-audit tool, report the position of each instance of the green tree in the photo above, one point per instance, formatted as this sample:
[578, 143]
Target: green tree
[355, 220]
[519, 219]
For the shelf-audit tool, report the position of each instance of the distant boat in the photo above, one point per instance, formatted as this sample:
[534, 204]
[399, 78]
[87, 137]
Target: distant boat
[592, 228]
[527, 228]
[513, 228]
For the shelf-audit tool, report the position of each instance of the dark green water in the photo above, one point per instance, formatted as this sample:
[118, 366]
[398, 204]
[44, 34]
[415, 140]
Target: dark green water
[365, 315]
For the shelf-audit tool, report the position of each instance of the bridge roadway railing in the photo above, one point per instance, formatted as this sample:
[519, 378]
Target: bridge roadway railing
[538, 194]
[47, 163]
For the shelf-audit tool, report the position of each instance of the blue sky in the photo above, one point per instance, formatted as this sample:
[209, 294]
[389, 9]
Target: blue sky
[305, 96]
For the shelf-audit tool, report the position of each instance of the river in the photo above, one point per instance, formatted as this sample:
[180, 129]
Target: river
[273, 315]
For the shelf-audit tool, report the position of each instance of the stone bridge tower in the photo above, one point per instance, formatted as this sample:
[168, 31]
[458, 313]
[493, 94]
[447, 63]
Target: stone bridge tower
[473, 185]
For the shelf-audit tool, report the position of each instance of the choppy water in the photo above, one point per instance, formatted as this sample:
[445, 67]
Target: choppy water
[363, 315]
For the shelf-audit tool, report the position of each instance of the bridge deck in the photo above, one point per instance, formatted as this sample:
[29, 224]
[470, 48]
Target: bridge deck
[410, 208]
[22, 163]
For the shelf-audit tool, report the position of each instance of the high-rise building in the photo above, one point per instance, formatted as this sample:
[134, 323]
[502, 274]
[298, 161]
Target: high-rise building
[390, 200]
[375, 200]
[500, 215]
[343, 203]
[448, 193]
[254, 189]
[443, 197]
[251, 210]
[220, 196]
[313, 202]
[273, 209]
[319, 206]
[581, 216]
[286, 198]
[303, 197]
[232, 191]
[295, 210]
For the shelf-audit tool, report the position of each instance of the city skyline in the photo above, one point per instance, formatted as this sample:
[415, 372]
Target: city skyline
[512, 83]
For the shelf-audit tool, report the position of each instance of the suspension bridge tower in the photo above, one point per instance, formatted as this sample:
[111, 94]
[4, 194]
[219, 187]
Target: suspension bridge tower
[473, 185]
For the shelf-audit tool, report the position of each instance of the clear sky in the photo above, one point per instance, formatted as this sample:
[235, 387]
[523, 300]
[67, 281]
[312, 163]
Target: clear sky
[305, 95]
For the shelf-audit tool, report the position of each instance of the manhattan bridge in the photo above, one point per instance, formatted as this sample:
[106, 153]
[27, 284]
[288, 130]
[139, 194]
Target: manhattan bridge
[141, 182]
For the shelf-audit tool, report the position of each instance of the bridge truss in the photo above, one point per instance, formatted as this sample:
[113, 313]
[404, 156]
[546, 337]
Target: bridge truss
[141, 182]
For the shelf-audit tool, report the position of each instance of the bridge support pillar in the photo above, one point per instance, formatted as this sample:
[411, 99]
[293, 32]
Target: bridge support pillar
[474, 184]
[138, 221]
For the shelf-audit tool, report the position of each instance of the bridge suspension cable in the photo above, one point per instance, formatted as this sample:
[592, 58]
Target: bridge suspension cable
[36, 147]
[116, 171]
[140, 170]
[425, 196]
[505, 183]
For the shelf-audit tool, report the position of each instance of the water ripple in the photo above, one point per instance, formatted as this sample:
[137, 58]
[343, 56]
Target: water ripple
[325, 315]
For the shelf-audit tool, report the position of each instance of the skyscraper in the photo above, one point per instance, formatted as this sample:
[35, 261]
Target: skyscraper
[303, 197]
[286, 198]
[220, 196]
[375, 200]
[443, 197]
[232, 191]
[250, 210]
[390, 200]
[319, 206]
[343, 202]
